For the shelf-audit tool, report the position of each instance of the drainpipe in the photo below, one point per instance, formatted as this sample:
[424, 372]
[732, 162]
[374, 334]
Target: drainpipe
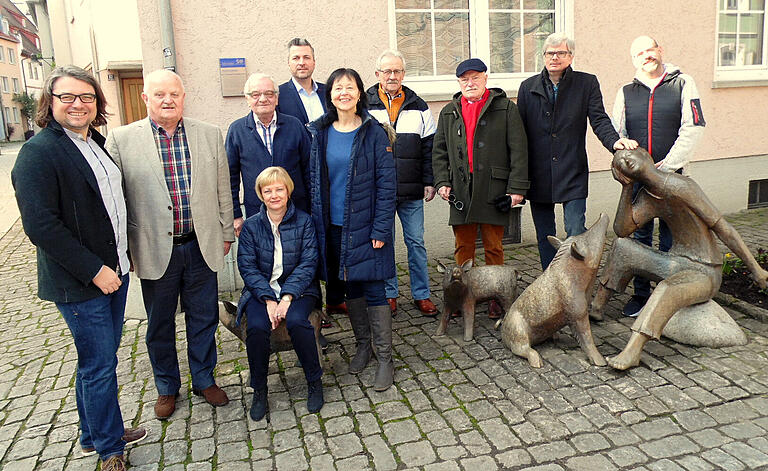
[166, 35]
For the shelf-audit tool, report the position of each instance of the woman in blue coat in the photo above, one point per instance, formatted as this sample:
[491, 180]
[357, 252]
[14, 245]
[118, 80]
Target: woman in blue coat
[353, 205]
[277, 258]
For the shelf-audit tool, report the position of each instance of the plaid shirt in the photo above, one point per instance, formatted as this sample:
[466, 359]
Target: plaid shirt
[174, 153]
[266, 133]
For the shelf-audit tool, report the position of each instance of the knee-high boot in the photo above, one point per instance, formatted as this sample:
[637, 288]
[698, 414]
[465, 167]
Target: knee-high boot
[358, 317]
[381, 328]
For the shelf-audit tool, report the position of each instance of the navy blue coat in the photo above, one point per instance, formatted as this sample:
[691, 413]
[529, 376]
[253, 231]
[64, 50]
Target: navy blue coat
[248, 156]
[369, 207]
[290, 103]
[256, 254]
[63, 215]
[557, 153]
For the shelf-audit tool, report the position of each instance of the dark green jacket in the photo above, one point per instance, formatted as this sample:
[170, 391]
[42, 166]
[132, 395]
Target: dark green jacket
[500, 159]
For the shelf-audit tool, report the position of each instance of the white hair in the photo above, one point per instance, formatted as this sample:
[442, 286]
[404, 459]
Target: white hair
[389, 53]
[249, 84]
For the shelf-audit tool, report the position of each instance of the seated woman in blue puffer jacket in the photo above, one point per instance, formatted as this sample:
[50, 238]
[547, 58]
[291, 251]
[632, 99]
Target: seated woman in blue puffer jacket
[277, 257]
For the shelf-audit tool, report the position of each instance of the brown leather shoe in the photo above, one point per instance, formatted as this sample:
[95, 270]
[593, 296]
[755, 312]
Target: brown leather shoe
[426, 306]
[165, 406]
[336, 308]
[130, 435]
[213, 395]
[392, 305]
[114, 463]
[494, 310]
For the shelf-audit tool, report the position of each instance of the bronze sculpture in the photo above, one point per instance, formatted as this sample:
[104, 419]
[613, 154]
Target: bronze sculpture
[558, 297]
[689, 273]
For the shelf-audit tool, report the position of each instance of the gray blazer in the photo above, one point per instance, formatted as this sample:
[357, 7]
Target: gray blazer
[150, 215]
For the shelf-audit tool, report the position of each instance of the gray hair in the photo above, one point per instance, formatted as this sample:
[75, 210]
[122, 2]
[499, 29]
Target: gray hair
[555, 39]
[300, 42]
[255, 78]
[390, 53]
[157, 74]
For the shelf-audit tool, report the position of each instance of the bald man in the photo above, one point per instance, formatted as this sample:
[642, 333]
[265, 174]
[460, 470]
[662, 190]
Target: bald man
[179, 201]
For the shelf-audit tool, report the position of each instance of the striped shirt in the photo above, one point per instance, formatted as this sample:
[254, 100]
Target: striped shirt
[266, 133]
[174, 154]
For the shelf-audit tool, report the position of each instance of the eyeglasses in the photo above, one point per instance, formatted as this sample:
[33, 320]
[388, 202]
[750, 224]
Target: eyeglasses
[456, 203]
[269, 94]
[389, 72]
[71, 97]
[559, 54]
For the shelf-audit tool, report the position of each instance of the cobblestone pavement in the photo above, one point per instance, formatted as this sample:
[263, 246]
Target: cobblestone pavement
[455, 405]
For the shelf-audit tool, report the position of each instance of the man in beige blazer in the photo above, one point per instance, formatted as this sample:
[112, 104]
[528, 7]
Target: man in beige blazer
[179, 202]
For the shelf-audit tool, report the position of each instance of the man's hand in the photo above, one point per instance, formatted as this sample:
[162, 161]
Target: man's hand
[282, 309]
[625, 143]
[272, 313]
[377, 244]
[107, 280]
[516, 199]
[444, 192]
[429, 193]
[238, 223]
[227, 246]
[659, 164]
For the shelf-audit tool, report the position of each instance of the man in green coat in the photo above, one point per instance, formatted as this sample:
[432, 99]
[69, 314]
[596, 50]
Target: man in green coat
[480, 163]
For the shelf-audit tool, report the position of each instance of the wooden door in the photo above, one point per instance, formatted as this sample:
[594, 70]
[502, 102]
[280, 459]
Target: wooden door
[132, 103]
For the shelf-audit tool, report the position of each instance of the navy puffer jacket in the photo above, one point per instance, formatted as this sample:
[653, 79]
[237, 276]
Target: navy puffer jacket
[255, 256]
[369, 207]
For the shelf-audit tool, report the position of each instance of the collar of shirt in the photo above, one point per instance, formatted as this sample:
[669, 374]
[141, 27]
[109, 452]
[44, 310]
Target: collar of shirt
[484, 98]
[77, 135]
[272, 122]
[157, 128]
[300, 89]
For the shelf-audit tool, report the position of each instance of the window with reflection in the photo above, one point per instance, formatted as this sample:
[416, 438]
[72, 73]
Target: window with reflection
[741, 33]
[435, 35]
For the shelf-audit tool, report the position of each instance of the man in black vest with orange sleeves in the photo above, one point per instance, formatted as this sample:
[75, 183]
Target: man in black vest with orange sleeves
[661, 110]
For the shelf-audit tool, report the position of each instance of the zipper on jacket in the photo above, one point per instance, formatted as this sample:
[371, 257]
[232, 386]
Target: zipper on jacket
[650, 115]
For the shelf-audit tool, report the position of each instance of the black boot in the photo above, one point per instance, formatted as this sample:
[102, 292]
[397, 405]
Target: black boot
[358, 317]
[315, 398]
[259, 406]
[381, 328]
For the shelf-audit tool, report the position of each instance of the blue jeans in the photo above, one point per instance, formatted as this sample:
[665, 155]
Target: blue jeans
[96, 326]
[544, 221]
[299, 329]
[644, 235]
[412, 219]
[189, 276]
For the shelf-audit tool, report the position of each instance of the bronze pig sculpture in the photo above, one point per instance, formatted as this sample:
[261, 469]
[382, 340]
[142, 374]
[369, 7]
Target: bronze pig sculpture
[558, 297]
[463, 286]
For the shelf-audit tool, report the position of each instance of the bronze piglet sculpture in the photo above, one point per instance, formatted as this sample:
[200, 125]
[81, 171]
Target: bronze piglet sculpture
[558, 297]
[463, 286]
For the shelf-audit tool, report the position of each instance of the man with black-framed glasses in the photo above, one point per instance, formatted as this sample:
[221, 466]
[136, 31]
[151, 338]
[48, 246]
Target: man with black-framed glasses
[555, 106]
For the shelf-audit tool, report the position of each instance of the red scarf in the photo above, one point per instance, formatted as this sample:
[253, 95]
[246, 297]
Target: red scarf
[470, 112]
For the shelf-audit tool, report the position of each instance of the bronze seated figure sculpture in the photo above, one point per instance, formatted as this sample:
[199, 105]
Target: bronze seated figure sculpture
[689, 273]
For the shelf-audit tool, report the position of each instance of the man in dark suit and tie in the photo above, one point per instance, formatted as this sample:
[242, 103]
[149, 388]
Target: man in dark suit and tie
[304, 99]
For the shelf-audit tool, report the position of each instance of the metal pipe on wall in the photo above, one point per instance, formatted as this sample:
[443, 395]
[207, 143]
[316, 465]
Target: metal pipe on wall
[166, 35]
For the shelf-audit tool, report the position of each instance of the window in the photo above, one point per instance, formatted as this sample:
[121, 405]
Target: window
[7, 114]
[758, 194]
[15, 85]
[2, 55]
[35, 69]
[435, 35]
[11, 56]
[16, 115]
[5, 84]
[741, 40]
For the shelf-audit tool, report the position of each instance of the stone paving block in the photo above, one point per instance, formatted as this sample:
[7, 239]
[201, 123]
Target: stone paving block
[474, 442]
[656, 428]
[382, 455]
[596, 414]
[551, 451]
[590, 463]
[321, 463]
[664, 465]
[499, 434]
[235, 451]
[144, 454]
[702, 396]
[402, 431]
[627, 456]
[441, 438]
[731, 412]
[590, 442]
[669, 447]
[343, 446]
[315, 444]
[751, 457]
[673, 397]
[394, 410]
[174, 451]
[458, 419]
[450, 452]
[442, 466]
[722, 460]
[339, 425]
[528, 433]
[292, 460]
[481, 462]
[742, 430]
[759, 443]
[544, 467]
[416, 453]
[481, 410]
[694, 463]
[203, 449]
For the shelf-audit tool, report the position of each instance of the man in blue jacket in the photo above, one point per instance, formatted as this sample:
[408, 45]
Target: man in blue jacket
[554, 106]
[265, 138]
